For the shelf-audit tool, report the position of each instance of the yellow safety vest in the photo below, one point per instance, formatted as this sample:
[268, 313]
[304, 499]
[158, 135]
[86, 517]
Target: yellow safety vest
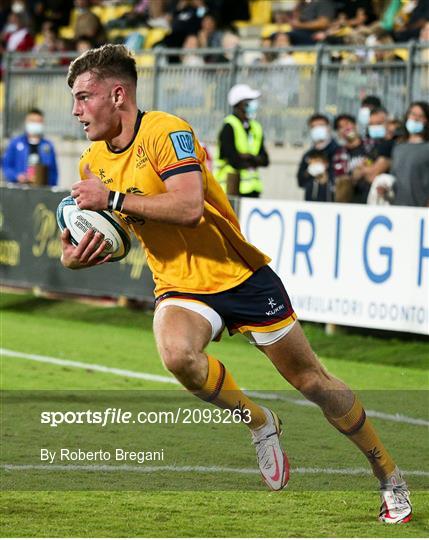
[245, 143]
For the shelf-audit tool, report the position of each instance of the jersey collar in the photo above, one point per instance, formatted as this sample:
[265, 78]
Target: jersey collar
[140, 115]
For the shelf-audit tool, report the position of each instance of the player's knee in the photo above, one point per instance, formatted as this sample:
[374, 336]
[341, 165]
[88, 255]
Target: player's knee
[180, 359]
[311, 383]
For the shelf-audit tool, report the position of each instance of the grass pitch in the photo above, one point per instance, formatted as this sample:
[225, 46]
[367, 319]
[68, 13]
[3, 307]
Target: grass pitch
[382, 369]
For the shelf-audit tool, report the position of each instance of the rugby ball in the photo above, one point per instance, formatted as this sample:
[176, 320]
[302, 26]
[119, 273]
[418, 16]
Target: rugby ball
[78, 222]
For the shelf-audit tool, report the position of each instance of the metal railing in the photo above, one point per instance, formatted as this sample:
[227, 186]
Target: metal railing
[295, 83]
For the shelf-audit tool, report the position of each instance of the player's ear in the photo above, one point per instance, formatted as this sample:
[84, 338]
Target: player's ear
[118, 95]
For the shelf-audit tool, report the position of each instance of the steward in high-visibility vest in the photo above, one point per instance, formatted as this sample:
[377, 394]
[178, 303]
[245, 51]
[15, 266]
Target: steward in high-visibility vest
[240, 150]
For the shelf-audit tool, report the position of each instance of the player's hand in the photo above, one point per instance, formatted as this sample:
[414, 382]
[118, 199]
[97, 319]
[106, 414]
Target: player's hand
[90, 194]
[86, 254]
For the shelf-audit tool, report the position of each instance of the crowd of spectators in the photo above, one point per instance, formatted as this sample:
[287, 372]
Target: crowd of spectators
[342, 168]
[374, 158]
[73, 25]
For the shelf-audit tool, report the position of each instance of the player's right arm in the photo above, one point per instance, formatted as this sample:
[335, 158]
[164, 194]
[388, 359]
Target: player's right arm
[84, 255]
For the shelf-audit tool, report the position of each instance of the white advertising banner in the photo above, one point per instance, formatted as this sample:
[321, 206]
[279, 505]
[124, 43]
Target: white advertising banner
[347, 264]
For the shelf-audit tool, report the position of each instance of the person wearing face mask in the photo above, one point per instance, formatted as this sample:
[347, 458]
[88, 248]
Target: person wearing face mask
[383, 144]
[30, 158]
[367, 105]
[349, 161]
[410, 159]
[309, 172]
[240, 150]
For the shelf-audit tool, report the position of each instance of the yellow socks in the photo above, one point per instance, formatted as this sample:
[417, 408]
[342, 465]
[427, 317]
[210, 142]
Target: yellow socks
[359, 429]
[221, 390]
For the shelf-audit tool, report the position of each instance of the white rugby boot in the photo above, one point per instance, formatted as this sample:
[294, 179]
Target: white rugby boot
[395, 499]
[271, 458]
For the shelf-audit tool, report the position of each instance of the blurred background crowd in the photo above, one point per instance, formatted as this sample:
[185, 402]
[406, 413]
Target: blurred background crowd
[377, 154]
[76, 25]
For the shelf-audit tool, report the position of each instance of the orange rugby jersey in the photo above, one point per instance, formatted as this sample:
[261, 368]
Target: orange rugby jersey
[212, 257]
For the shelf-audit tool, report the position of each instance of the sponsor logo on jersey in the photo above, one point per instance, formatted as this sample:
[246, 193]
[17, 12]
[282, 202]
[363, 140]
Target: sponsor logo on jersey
[141, 157]
[183, 144]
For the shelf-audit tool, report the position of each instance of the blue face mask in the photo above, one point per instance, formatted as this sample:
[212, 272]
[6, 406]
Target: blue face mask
[377, 131]
[414, 126]
[252, 108]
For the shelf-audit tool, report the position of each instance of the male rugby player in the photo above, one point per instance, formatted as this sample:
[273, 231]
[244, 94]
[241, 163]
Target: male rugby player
[151, 168]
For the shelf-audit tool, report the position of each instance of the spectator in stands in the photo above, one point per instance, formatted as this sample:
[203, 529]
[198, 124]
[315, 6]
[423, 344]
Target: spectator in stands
[88, 24]
[350, 183]
[311, 17]
[241, 149]
[413, 24]
[381, 151]
[395, 129]
[17, 36]
[230, 41]
[316, 175]
[49, 43]
[410, 159]
[210, 36]
[30, 158]
[351, 17]
[186, 21]
[190, 56]
[283, 58]
[382, 55]
[367, 104]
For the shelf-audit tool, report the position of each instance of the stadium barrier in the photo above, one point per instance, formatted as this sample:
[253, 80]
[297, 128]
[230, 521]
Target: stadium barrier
[30, 251]
[353, 265]
[326, 79]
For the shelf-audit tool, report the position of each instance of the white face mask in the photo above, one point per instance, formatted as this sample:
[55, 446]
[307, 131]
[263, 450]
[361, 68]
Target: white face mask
[316, 169]
[363, 116]
[34, 128]
[319, 133]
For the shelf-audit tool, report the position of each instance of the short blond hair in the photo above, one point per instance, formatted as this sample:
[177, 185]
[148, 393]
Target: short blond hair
[105, 62]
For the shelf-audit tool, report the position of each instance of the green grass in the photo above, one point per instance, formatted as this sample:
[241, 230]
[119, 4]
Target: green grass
[381, 367]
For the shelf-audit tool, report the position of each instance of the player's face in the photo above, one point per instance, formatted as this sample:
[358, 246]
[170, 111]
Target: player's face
[94, 106]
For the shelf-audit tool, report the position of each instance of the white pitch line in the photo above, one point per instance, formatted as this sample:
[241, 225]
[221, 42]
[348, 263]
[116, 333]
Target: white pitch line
[92, 367]
[399, 418]
[359, 471]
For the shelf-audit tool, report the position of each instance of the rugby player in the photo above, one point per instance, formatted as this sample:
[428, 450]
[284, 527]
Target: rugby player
[150, 167]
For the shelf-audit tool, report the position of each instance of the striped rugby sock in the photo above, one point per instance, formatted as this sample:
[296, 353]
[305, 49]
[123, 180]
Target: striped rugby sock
[221, 389]
[356, 426]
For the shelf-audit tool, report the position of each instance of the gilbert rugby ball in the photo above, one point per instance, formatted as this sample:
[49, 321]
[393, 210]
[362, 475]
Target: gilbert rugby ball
[78, 222]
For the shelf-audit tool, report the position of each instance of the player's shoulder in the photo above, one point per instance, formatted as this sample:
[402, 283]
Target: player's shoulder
[158, 122]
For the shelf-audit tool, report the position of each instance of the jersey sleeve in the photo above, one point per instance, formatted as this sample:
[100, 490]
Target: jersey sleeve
[173, 147]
